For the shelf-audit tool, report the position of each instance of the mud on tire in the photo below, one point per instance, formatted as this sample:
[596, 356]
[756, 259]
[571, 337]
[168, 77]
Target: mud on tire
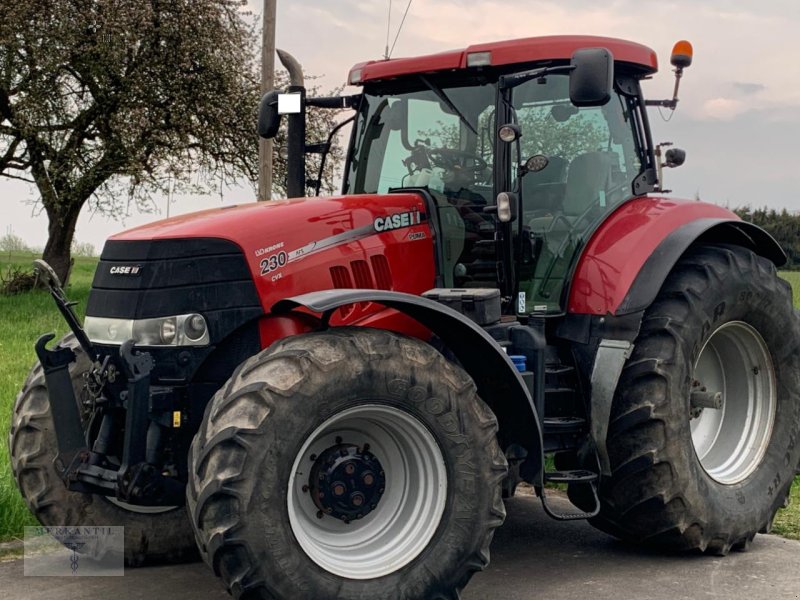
[150, 538]
[242, 464]
[659, 492]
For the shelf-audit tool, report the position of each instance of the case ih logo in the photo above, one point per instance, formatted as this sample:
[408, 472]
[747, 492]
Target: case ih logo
[125, 270]
[398, 220]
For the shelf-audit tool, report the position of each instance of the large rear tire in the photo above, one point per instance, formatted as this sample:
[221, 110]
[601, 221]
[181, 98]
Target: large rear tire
[320, 426]
[709, 479]
[152, 535]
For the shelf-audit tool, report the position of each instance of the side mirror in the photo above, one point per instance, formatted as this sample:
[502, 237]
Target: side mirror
[592, 77]
[269, 120]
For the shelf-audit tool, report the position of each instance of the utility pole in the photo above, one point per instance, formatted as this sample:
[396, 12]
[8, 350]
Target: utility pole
[267, 84]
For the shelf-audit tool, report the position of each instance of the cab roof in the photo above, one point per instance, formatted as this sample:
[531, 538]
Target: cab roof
[526, 50]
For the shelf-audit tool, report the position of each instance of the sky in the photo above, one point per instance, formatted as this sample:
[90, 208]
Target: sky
[738, 117]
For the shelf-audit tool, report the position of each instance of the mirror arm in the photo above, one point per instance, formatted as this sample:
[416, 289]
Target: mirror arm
[335, 102]
[671, 104]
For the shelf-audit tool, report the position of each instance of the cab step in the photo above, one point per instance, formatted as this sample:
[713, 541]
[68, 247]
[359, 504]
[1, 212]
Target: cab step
[577, 476]
[564, 425]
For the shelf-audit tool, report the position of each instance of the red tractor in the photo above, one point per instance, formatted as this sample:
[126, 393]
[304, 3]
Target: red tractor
[342, 390]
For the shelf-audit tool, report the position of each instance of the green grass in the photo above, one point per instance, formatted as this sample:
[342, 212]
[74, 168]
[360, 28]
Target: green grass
[26, 316]
[787, 523]
[23, 318]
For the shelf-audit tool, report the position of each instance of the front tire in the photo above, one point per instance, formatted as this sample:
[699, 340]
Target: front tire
[709, 479]
[348, 464]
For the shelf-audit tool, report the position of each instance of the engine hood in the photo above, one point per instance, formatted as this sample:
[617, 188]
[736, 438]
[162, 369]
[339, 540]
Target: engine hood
[308, 244]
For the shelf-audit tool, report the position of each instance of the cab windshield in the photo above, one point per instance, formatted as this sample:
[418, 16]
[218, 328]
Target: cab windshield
[421, 133]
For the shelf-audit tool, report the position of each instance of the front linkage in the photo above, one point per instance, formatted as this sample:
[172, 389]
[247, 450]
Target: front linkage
[138, 478]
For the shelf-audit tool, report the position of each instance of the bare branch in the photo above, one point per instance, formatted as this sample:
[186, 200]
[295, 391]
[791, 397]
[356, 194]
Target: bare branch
[8, 175]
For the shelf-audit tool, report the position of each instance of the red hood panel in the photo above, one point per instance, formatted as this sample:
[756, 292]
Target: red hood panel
[302, 245]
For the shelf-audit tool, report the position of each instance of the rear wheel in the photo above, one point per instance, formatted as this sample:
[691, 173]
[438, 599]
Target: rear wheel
[351, 463]
[152, 534]
[704, 438]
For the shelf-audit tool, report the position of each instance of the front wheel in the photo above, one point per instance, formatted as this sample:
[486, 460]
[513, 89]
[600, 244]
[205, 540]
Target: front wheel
[349, 464]
[704, 437]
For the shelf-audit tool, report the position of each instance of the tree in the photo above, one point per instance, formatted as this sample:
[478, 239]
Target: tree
[782, 225]
[100, 97]
[109, 102]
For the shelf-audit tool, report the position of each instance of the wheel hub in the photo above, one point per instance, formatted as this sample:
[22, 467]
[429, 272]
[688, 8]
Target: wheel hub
[346, 482]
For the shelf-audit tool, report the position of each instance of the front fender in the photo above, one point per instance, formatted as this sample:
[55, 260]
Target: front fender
[499, 383]
[627, 259]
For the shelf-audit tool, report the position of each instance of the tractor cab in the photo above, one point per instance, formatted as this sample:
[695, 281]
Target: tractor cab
[522, 149]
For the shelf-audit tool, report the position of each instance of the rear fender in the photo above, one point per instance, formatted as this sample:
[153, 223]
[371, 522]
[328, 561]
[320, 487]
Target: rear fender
[630, 255]
[499, 383]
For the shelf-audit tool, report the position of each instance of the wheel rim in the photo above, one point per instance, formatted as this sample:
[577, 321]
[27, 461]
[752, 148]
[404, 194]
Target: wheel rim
[731, 441]
[408, 513]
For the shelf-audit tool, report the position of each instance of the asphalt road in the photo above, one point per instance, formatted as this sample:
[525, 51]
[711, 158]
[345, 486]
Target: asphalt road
[532, 557]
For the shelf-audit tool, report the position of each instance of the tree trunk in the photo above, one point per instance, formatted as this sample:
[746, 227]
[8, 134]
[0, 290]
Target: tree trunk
[60, 232]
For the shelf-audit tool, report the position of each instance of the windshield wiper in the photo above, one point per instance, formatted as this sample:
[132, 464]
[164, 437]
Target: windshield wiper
[449, 103]
[515, 79]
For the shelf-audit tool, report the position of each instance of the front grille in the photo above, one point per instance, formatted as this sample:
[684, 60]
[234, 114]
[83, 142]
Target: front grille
[156, 278]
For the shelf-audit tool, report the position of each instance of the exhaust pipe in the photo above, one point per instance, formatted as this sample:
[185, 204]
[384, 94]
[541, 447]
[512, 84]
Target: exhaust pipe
[296, 135]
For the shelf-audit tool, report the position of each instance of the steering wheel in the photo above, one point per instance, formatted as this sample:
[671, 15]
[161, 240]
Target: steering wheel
[451, 160]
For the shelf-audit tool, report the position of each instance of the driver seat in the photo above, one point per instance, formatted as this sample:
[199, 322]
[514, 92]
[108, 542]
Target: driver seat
[587, 179]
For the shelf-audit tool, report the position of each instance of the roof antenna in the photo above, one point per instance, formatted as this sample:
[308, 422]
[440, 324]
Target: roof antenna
[399, 29]
[388, 27]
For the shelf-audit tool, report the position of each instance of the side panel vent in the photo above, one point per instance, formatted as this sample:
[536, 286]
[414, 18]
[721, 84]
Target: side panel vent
[383, 276]
[340, 276]
[362, 274]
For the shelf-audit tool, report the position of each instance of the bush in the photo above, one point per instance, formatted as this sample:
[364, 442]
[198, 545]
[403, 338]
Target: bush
[15, 280]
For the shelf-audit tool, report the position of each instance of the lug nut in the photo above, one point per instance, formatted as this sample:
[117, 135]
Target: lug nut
[357, 499]
[338, 489]
[368, 478]
[350, 469]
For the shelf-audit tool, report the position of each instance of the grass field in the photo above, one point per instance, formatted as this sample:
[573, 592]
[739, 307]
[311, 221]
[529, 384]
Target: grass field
[24, 317]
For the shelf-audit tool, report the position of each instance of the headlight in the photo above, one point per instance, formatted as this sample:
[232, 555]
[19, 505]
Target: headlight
[181, 330]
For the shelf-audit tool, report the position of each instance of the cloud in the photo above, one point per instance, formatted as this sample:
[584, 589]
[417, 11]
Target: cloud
[723, 109]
